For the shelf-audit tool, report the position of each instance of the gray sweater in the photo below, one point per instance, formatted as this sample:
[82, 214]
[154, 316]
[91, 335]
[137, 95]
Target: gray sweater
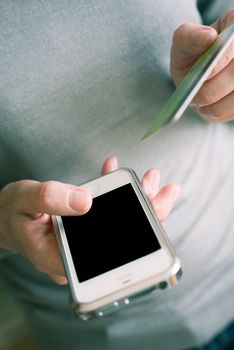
[80, 81]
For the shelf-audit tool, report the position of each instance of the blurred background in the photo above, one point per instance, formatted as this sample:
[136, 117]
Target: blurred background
[14, 334]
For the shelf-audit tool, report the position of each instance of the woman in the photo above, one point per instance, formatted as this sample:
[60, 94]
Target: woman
[81, 81]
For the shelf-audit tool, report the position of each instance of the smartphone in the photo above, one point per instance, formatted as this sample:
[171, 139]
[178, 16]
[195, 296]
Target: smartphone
[192, 82]
[118, 251]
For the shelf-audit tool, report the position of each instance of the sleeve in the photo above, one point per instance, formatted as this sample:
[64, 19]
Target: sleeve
[211, 10]
[5, 254]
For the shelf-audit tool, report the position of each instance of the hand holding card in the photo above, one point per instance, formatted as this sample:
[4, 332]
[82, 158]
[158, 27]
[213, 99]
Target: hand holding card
[194, 79]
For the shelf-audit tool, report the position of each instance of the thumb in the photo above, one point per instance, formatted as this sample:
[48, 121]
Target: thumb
[52, 197]
[189, 41]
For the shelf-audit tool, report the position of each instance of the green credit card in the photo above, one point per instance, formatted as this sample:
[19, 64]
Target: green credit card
[189, 86]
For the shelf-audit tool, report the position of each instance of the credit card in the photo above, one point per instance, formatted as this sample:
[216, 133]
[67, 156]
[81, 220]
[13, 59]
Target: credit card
[192, 82]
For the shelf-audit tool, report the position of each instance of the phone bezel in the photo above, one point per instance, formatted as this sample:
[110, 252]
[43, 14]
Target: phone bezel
[128, 275]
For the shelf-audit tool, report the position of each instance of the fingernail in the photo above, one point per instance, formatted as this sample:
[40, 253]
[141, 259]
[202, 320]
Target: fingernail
[114, 162]
[79, 200]
[203, 37]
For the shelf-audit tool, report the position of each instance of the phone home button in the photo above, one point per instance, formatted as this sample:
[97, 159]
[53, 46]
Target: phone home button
[127, 278]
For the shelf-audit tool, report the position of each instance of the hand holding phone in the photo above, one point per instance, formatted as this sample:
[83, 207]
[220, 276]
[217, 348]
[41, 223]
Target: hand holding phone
[118, 250]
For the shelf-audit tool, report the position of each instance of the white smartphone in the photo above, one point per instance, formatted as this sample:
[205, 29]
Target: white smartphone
[117, 251]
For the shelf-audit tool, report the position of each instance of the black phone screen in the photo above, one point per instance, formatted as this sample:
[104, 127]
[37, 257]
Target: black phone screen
[114, 232]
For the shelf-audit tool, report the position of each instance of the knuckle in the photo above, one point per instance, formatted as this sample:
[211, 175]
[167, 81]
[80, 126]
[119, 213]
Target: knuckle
[228, 18]
[14, 187]
[182, 28]
[41, 268]
[14, 192]
[47, 194]
[178, 32]
[161, 212]
[10, 194]
[21, 185]
[204, 96]
[216, 114]
[217, 120]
